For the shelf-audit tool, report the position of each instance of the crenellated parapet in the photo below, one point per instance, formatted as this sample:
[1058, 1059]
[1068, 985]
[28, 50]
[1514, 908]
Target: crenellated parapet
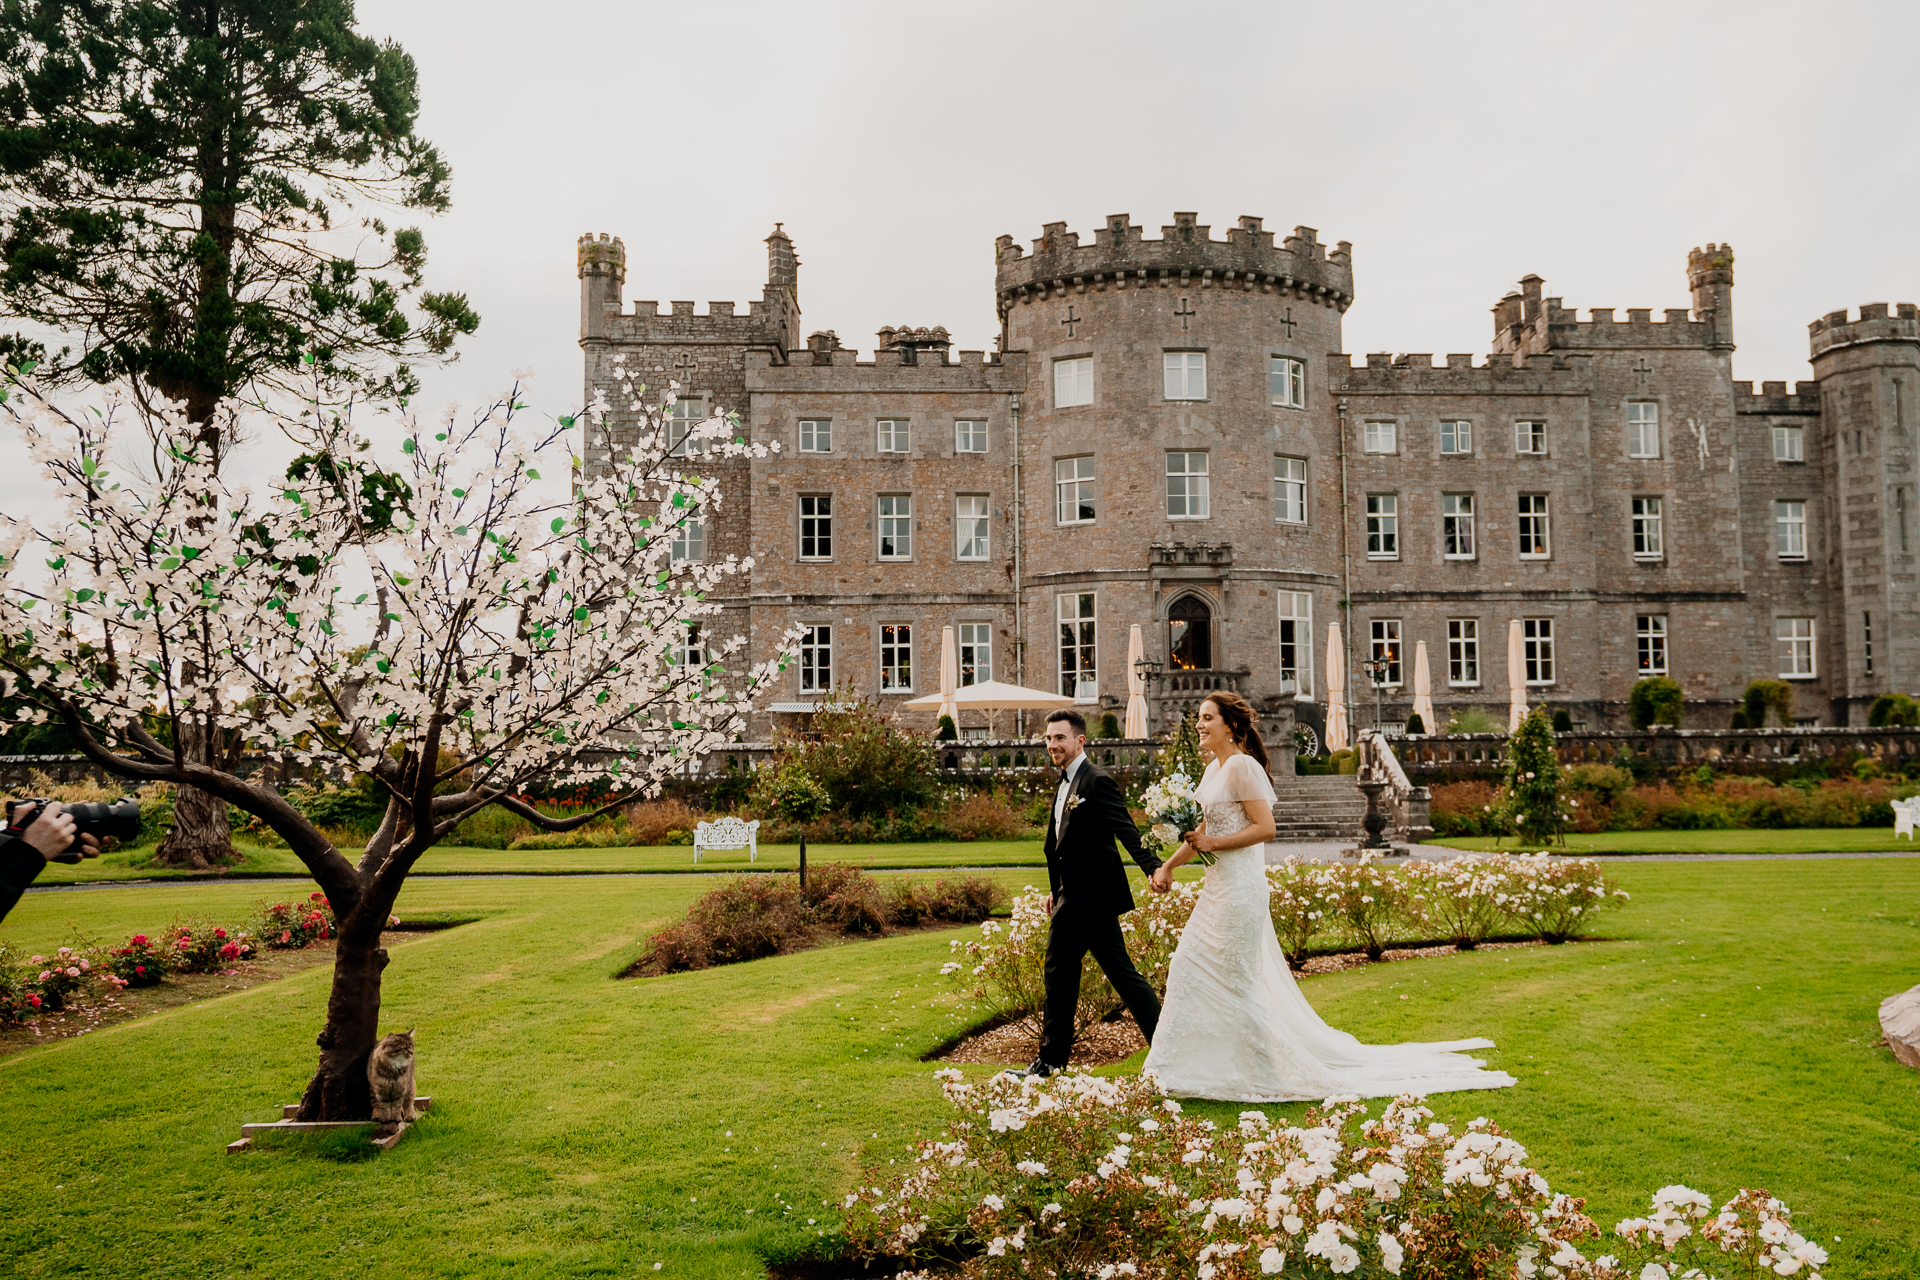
[839, 369]
[1501, 374]
[1773, 398]
[1877, 323]
[1186, 255]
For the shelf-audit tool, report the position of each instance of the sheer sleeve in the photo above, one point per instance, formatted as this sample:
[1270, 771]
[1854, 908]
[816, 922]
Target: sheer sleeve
[1246, 780]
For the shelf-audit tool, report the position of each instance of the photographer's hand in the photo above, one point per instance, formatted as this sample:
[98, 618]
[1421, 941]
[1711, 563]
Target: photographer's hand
[51, 832]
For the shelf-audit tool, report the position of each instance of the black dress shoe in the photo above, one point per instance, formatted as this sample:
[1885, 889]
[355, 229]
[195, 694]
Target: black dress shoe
[1036, 1070]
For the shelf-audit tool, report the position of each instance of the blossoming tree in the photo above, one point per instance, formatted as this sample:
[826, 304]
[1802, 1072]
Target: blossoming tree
[457, 637]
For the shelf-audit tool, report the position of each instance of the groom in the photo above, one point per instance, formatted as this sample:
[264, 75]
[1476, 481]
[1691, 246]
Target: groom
[1090, 892]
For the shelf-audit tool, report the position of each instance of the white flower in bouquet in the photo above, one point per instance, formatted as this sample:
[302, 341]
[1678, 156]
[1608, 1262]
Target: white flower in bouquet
[1171, 807]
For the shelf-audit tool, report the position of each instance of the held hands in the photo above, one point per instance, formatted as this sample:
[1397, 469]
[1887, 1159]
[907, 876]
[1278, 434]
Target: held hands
[51, 833]
[1161, 881]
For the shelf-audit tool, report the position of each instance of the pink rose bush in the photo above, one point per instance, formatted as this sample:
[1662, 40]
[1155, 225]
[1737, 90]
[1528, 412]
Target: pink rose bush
[205, 948]
[1081, 1175]
[285, 926]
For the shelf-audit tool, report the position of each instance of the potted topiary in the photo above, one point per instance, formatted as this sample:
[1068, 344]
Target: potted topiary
[798, 798]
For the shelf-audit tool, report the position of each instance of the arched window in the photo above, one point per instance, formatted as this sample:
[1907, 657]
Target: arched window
[1190, 634]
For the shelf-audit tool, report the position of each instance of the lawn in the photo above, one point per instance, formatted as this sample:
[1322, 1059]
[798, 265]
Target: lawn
[584, 1126]
[1745, 840]
[131, 864]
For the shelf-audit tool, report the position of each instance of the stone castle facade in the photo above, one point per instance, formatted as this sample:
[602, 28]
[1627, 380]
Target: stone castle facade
[1169, 434]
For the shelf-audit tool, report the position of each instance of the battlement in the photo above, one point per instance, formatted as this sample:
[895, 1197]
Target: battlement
[1772, 397]
[1678, 327]
[602, 257]
[1834, 330]
[1523, 320]
[1185, 254]
[1504, 373]
[839, 369]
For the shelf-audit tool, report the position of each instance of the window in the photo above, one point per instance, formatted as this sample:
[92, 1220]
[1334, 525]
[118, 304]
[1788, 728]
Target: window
[1456, 435]
[1788, 445]
[896, 526]
[690, 540]
[1536, 645]
[816, 435]
[1866, 622]
[1186, 486]
[1287, 381]
[1383, 526]
[816, 659]
[896, 658]
[1530, 437]
[970, 534]
[1077, 635]
[1379, 435]
[1534, 541]
[1790, 530]
[1185, 374]
[1072, 382]
[1643, 429]
[1385, 647]
[1290, 490]
[816, 526]
[1463, 651]
[1796, 648]
[1646, 529]
[1073, 490]
[1296, 641]
[1650, 638]
[1456, 525]
[690, 654]
[688, 413]
[895, 435]
[976, 653]
[969, 436]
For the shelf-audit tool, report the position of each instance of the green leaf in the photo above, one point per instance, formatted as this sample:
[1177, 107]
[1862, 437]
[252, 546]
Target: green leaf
[559, 523]
[532, 474]
[581, 614]
[171, 562]
[408, 445]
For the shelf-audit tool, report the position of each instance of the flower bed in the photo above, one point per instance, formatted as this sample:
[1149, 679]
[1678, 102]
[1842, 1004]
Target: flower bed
[754, 916]
[1316, 907]
[1084, 1176]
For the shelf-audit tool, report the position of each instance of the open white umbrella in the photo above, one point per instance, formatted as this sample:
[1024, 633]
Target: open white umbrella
[1136, 685]
[995, 696]
[1423, 687]
[1336, 690]
[949, 676]
[1516, 676]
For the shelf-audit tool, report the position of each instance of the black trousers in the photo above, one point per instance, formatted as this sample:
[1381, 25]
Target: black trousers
[1073, 936]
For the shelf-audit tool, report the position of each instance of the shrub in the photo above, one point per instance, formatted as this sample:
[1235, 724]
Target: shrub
[1739, 719]
[1764, 697]
[1080, 1175]
[1463, 899]
[1465, 809]
[285, 926]
[1655, 700]
[1415, 724]
[1366, 897]
[1475, 719]
[947, 731]
[745, 918]
[1562, 720]
[1532, 783]
[358, 807]
[195, 947]
[1297, 901]
[1557, 897]
[56, 977]
[983, 815]
[1002, 968]
[1894, 709]
[964, 899]
[906, 902]
[653, 822]
[845, 899]
[860, 757]
[1108, 726]
[139, 963]
[1344, 761]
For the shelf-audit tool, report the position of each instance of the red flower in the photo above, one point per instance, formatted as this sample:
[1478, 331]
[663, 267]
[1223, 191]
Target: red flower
[220, 933]
[34, 1001]
[139, 968]
[139, 939]
[229, 951]
[286, 935]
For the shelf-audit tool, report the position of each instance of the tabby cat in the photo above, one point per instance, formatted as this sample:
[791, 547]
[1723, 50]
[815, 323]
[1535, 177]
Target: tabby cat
[390, 1075]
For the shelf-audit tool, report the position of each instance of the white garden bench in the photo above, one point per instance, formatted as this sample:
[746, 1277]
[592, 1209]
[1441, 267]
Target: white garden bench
[727, 833]
[1905, 814]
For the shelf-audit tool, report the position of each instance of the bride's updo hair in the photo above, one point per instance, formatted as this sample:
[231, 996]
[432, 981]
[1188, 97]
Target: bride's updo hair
[1237, 715]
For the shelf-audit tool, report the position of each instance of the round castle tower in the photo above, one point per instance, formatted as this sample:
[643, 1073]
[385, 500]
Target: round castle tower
[1176, 447]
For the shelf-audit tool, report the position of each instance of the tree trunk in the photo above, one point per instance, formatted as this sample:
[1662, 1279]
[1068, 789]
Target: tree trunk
[338, 1090]
[200, 838]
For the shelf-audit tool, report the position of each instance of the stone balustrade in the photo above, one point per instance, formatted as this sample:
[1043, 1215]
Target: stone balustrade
[1440, 753]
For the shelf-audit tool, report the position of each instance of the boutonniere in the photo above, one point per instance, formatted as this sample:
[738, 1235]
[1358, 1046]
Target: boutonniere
[1073, 802]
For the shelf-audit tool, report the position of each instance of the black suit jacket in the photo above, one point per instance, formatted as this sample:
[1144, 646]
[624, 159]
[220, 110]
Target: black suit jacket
[1083, 867]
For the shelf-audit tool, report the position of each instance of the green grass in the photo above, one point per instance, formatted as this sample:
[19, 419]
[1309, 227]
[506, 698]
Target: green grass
[1726, 1037]
[130, 864]
[1746, 840]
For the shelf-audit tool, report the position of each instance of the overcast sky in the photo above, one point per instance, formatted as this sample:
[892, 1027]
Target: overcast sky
[1458, 147]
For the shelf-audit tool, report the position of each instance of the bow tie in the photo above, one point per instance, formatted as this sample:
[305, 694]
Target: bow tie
[1065, 777]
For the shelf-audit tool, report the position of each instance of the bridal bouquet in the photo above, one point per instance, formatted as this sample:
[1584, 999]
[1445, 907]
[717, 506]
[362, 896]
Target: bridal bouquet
[1174, 811]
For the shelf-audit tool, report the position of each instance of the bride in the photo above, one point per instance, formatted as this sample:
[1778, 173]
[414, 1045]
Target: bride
[1235, 1026]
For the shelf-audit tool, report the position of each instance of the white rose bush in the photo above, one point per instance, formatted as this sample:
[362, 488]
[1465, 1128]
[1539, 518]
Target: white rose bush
[1365, 905]
[1093, 1178]
[440, 625]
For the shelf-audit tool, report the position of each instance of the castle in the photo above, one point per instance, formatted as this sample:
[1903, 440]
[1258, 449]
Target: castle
[1170, 435]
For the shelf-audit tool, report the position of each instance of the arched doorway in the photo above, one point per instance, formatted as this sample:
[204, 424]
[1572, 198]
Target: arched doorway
[1190, 634]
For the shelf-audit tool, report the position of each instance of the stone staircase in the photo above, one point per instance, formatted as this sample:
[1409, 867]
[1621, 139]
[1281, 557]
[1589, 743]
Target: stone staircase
[1319, 807]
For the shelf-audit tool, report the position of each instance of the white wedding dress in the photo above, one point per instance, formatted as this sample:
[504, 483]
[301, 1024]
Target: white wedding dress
[1235, 1026]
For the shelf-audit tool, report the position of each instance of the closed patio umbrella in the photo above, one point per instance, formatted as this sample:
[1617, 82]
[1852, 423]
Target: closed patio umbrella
[949, 676]
[1516, 676]
[1136, 685]
[1423, 687]
[1336, 690]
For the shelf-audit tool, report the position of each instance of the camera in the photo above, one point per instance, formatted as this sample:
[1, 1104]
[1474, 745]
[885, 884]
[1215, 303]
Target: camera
[121, 820]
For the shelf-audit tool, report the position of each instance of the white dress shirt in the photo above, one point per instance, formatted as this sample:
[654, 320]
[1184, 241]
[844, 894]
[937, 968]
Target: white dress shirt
[1066, 785]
